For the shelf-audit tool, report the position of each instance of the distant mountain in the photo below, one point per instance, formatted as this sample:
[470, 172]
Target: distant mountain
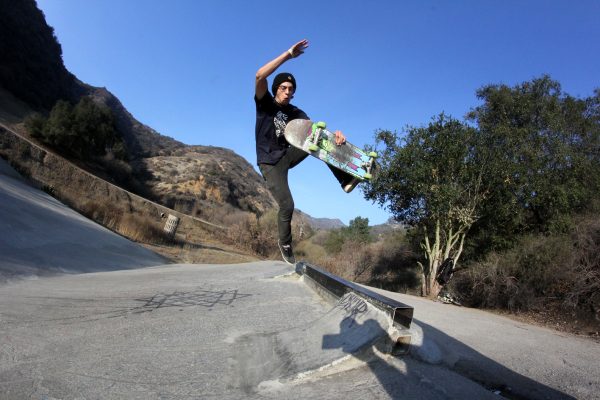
[320, 223]
[390, 225]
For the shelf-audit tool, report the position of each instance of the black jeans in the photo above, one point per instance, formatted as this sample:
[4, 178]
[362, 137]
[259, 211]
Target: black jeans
[276, 177]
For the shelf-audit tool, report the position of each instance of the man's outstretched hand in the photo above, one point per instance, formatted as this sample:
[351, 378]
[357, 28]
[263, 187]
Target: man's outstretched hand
[298, 48]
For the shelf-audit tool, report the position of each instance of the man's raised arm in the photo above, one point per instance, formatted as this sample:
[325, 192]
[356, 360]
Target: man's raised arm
[266, 70]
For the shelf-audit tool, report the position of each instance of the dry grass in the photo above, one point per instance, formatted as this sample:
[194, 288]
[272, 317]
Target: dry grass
[135, 227]
[388, 263]
[142, 230]
[258, 235]
[150, 233]
[207, 253]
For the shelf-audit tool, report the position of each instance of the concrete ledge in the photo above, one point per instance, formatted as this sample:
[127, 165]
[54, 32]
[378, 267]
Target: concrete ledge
[401, 314]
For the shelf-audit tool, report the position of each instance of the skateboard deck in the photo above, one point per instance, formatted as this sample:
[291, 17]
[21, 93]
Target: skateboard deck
[317, 141]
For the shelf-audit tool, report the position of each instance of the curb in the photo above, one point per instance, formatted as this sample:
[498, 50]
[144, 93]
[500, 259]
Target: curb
[335, 287]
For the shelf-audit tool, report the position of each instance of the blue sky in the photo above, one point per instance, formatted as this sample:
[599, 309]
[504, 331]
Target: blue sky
[186, 67]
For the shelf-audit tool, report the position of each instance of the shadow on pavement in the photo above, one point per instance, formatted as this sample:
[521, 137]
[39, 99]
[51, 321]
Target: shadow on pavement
[435, 350]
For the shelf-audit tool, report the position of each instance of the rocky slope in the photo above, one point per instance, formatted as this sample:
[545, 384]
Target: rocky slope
[197, 179]
[194, 179]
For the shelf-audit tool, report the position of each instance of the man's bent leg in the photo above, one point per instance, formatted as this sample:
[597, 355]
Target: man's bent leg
[347, 181]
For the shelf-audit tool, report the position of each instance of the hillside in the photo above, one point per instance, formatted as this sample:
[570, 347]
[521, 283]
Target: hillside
[193, 179]
[197, 179]
[141, 140]
[31, 65]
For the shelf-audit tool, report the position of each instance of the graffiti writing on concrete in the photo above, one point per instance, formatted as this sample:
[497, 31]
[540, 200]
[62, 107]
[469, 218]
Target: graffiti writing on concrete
[95, 309]
[352, 304]
[204, 298]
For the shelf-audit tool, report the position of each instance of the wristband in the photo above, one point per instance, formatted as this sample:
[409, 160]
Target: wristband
[291, 53]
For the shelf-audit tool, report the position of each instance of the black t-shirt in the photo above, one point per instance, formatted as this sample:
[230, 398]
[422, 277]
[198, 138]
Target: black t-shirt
[271, 119]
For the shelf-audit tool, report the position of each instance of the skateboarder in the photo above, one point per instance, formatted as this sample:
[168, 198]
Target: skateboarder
[274, 155]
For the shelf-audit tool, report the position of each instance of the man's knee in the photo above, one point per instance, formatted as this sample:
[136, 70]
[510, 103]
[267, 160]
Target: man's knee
[286, 208]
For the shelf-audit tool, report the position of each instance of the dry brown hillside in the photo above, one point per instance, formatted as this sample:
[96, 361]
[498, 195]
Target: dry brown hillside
[199, 180]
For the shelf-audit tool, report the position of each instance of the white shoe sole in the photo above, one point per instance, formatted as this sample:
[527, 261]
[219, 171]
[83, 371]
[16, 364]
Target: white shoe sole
[283, 256]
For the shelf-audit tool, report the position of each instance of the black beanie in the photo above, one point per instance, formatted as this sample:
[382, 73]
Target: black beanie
[280, 78]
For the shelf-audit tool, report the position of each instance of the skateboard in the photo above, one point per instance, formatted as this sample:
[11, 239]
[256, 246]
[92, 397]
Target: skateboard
[316, 140]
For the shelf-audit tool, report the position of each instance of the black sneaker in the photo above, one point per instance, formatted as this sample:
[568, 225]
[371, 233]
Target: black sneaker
[287, 253]
[348, 187]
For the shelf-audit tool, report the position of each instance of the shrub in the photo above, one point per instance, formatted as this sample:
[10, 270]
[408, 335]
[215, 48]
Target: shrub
[357, 232]
[243, 231]
[541, 272]
[518, 279]
[355, 261]
[389, 263]
[310, 250]
[117, 169]
[583, 294]
[35, 125]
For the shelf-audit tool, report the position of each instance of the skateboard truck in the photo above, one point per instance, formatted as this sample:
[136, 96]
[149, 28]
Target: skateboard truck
[368, 166]
[315, 135]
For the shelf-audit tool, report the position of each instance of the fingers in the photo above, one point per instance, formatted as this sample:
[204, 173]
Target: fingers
[299, 48]
[340, 139]
[301, 45]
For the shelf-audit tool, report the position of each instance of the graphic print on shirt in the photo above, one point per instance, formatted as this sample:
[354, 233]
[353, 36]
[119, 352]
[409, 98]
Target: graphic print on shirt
[280, 121]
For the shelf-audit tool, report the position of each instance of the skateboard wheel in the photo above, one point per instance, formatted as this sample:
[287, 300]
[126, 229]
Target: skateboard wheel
[313, 147]
[321, 125]
[368, 176]
[373, 154]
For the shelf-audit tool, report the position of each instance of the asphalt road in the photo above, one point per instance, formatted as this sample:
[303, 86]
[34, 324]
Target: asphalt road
[117, 323]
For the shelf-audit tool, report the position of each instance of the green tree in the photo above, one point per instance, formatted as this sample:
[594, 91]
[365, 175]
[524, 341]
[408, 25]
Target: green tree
[532, 163]
[429, 178]
[93, 128]
[542, 149]
[58, 130]
[359, 231]
[35, 124]
[335, 241]
[85, 130]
